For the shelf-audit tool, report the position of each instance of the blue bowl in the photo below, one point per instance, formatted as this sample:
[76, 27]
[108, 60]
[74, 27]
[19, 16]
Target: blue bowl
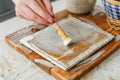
[112, 10]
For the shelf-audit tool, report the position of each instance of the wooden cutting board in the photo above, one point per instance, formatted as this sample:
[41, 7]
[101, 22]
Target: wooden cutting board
[98, 20]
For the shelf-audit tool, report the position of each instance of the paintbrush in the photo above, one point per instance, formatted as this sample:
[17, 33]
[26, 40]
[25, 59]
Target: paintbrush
[66, 40]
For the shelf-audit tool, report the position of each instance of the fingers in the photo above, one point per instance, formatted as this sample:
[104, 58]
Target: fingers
[48, 6]
[40, 11]
[35, 17]
[20, 12]
[26, 13]
[31, 10]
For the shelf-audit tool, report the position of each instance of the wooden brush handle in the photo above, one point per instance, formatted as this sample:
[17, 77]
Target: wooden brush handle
[60, 31]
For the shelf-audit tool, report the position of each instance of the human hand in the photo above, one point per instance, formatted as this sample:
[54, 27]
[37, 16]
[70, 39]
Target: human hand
[39, 11]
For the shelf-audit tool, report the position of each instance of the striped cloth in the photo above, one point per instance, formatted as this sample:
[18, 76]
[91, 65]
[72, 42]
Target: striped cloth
[112, 10]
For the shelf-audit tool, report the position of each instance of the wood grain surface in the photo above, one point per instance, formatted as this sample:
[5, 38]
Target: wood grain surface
[98, 20]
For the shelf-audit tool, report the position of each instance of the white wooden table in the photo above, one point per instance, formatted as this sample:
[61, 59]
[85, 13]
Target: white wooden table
[15, 66]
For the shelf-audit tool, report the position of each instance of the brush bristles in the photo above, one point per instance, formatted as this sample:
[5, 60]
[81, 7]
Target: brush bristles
[67, 41]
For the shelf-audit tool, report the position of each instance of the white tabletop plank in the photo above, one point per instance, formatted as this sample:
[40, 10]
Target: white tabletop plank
[15, 66]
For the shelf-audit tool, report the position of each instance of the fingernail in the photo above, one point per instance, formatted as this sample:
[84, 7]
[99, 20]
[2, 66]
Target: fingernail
[53, 16]
[50, 20]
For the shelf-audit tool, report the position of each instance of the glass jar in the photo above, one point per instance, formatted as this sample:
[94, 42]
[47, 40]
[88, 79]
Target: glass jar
[79, 6]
